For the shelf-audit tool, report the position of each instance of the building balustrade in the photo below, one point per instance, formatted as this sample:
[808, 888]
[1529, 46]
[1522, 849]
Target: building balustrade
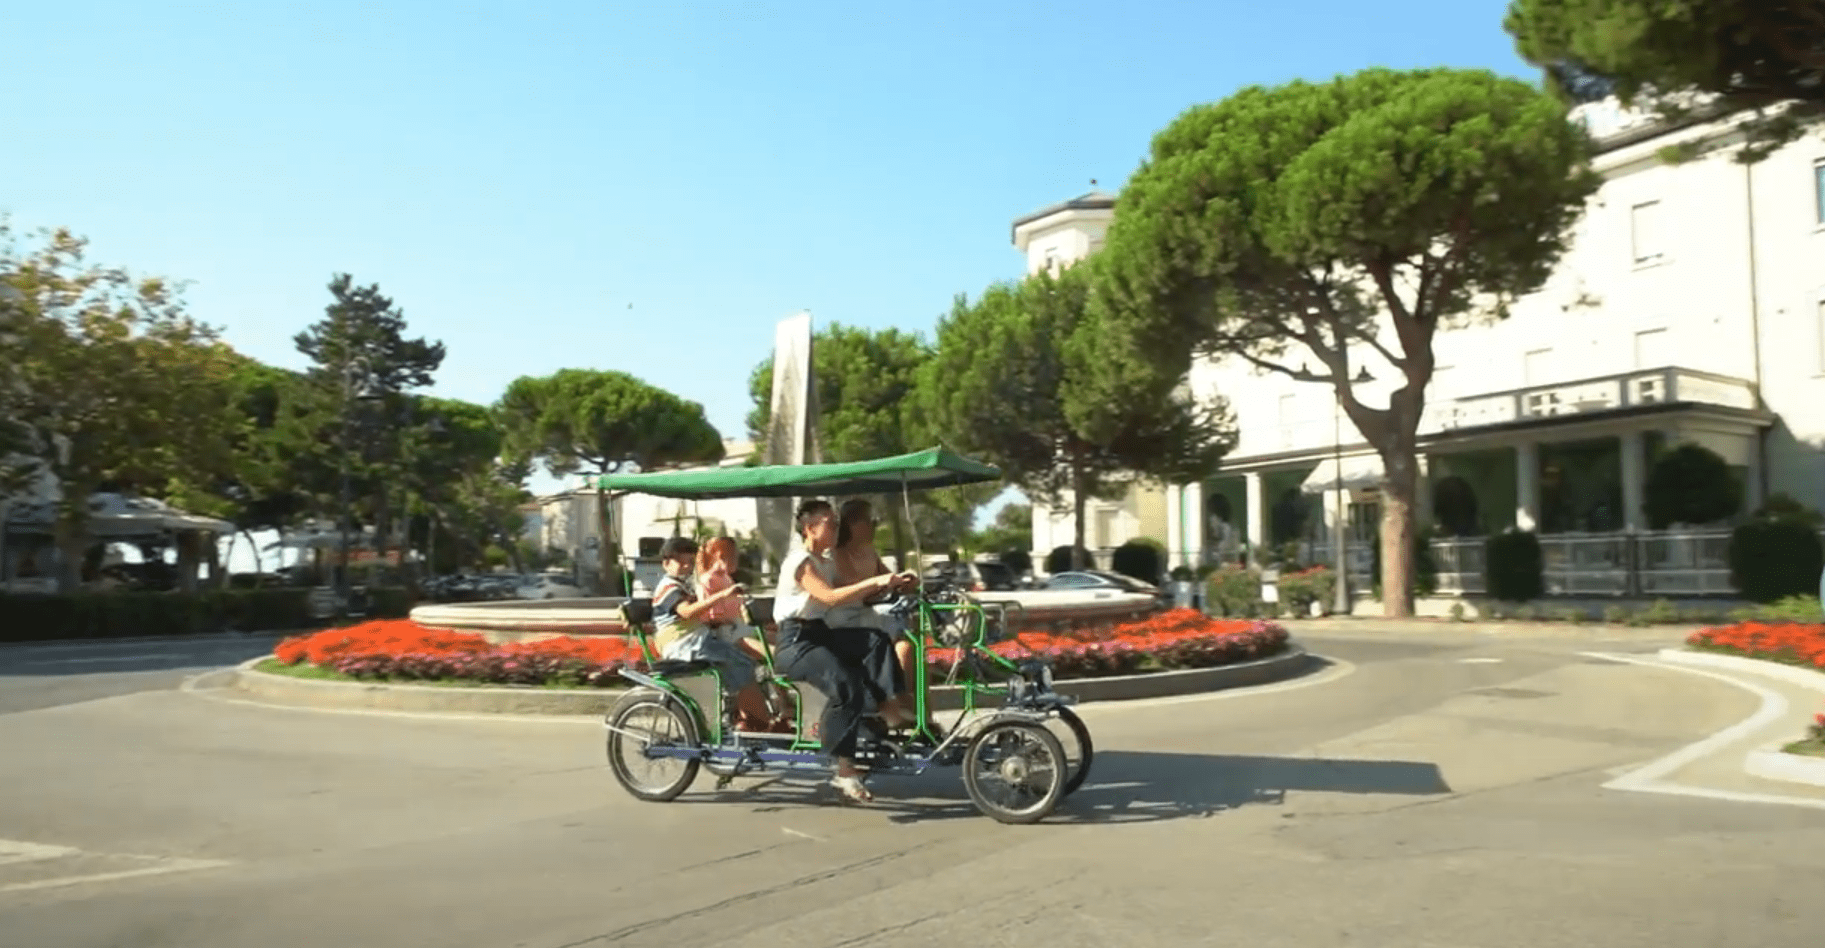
[1583, 396]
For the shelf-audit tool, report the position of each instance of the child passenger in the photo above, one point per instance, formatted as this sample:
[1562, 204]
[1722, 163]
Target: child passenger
[682, 634]
[716, 564]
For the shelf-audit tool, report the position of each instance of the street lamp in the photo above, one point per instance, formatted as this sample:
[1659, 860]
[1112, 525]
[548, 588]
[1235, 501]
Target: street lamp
[1340, 591]
[347, 489]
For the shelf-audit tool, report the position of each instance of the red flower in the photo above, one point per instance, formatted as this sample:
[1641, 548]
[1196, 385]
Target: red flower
[1798, 643]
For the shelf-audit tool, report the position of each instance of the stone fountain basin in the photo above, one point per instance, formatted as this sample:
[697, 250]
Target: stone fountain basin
[532, 619]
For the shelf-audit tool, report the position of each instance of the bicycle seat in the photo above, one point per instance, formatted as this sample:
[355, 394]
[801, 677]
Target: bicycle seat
[637, 612]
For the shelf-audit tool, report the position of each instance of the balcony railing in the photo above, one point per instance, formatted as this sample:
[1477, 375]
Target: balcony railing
[1607, 393]
[1583, 396]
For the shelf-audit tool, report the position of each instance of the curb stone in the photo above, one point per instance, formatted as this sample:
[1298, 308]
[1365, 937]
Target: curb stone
[1768, 761]
[306, 692]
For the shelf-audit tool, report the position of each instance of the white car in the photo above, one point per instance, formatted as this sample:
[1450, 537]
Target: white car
[549, 586]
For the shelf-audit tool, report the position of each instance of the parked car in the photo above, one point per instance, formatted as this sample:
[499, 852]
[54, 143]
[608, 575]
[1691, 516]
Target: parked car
[1089, 579]
[971, 577]
[548, 586]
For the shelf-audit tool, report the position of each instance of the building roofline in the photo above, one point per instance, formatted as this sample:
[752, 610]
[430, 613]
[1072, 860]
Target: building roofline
[1097, 200]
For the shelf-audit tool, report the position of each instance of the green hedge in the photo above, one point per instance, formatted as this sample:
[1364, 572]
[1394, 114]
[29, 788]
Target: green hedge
[131, 614]
[1774, 559]
[1514, 566]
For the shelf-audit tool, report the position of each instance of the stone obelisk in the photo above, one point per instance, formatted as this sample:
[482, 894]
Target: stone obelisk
[791, 427]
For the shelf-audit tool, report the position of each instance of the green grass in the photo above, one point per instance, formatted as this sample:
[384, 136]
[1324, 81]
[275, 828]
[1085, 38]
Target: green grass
[1810, 747]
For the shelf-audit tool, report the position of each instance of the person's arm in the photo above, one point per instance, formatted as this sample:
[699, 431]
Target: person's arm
[830, 596]
[690, 610]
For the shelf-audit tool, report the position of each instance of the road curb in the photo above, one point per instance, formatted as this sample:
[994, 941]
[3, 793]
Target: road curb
[1768, 762]
[308, 693]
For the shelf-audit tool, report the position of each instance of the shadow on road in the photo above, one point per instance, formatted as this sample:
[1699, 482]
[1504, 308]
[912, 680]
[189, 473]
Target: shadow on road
[1128, 787]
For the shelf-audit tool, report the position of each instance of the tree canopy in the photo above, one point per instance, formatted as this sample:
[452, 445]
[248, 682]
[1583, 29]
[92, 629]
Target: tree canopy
[1023, 378]
[599, 421]
[109, 382]
[1762, 55]
[1346, 221]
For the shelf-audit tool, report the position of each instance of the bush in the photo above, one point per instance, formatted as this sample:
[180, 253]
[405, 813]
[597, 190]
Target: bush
[1515, 569]
[1787, 609]
[1141, 559]
[1690, 484]
[1300, 589]
[1059, 560]
[1233, 591]
[1774, 558]
[133, 614]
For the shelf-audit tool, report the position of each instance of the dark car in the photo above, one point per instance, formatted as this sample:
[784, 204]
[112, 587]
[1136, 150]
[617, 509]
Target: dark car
[1088, 579]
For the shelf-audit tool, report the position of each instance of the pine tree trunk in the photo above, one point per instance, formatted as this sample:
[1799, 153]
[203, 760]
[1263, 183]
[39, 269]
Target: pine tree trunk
[1400, 493]
[1080, 553]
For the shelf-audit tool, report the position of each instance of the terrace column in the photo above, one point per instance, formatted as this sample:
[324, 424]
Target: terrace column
[1175, 528]
[1255, 519]
[1422, 507]
[1192, 523]
[1527, 486]
[1634, 479]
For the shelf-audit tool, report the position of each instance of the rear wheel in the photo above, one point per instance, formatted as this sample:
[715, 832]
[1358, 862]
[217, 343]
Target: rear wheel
[1015, 772]
[650, 719]
[1078, 749]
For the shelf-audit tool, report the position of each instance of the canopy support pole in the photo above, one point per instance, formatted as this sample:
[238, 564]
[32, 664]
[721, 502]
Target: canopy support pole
[912, 523]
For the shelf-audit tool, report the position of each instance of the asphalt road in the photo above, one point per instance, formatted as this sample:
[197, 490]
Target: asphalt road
[51, 674]
[1425, 791]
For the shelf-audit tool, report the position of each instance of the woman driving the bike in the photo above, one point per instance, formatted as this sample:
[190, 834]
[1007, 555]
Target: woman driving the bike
[850, 665]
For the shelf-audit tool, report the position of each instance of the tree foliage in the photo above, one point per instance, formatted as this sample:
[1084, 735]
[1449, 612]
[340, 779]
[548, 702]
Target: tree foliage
[1767, 56]
[865, 383]
[1347, 221]
[1026, 377]
[108, 382]
[598, 422]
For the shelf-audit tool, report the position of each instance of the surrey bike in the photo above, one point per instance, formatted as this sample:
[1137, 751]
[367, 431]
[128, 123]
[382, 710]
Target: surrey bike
[674, 720]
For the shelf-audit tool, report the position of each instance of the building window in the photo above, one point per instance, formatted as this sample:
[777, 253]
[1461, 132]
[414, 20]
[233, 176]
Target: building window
[1534, 368]
[1644, 232]
[1052, 259]
[1651, 349]
[1818, 188]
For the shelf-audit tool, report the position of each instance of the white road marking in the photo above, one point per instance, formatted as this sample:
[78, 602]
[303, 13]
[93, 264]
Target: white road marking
[1480, 661]
[789, 831]
[1648, 779]
[13, 850]
[165, 866]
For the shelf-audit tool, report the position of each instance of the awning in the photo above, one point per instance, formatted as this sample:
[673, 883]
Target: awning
[1360, 472]
[113, 516]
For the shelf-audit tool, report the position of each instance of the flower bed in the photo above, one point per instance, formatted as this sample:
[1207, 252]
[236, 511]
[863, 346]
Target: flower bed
[402, 650]
[1791, 643]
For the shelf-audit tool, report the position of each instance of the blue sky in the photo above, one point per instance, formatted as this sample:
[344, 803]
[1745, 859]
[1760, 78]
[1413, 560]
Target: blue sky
[646, 187]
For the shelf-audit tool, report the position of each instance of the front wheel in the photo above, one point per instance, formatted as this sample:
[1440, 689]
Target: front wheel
[1078, 762]
[1015, 772]
[643, 720]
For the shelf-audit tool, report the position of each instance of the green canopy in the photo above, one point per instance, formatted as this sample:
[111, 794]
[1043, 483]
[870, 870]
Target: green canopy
[920, 470]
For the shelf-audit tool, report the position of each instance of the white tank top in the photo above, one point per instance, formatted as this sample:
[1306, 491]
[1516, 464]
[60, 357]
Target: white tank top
[790, 600]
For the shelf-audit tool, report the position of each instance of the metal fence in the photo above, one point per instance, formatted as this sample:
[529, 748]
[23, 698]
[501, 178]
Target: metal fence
[1649, 563]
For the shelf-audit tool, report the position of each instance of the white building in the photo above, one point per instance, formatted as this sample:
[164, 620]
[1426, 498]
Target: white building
[567, 521]
[1690, 307]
